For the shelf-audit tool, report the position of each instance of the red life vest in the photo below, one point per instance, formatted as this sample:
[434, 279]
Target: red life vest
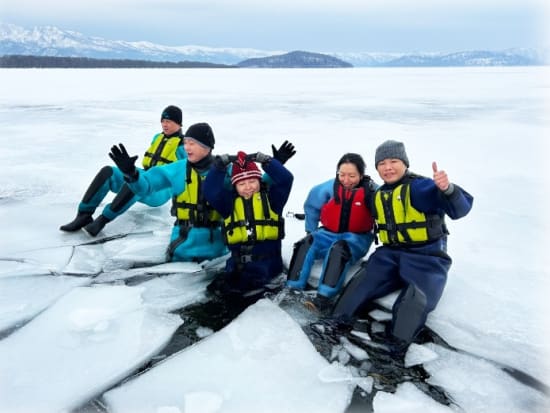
[348, 211]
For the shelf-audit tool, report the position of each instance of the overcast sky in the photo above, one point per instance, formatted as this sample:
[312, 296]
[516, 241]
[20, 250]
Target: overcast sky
[313, 25]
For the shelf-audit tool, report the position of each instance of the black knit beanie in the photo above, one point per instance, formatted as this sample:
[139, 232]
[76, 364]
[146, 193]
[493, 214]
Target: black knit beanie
[391, 150]
[202, 133]
[172, 113]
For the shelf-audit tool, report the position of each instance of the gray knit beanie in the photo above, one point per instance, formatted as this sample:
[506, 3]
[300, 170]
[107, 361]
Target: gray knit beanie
[391, 150]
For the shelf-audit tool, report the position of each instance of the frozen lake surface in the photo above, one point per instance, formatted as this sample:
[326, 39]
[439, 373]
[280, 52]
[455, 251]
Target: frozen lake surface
[76, 321]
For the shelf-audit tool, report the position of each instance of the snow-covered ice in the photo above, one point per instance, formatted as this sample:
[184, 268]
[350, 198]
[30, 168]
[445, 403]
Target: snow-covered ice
[88, 340]
[286, 356]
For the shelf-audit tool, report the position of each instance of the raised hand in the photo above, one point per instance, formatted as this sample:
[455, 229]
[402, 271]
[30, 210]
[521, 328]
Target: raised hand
[125, 162]
[284, 153]
[255, 157]
[440, 178]
[262, 157]
[221, 161]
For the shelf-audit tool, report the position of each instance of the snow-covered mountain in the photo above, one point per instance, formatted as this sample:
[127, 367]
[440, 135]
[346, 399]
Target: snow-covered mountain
[508, 57]
[52, 41]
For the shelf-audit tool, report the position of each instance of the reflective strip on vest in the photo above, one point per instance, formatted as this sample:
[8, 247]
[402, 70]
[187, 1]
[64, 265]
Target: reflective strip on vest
[253, 220]
[399, 223]
[162, 151]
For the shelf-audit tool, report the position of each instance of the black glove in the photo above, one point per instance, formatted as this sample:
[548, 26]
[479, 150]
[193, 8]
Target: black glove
[262, 158]
[221, 161]
[284, 153]
[125, 163]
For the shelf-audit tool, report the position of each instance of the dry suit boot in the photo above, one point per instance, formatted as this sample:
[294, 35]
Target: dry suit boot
[319, 304]
[96, 225]
[82, 219]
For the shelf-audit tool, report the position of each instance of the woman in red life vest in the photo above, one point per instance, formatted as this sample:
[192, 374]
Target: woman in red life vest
[342, 206]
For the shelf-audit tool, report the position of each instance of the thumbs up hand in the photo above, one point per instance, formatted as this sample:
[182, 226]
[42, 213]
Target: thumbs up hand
[440, 178]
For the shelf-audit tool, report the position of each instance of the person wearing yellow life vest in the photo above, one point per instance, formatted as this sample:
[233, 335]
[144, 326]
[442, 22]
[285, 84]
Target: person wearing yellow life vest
[409, 213]
[343, 207]
[196, 235]
[166, 147]
[253, 225]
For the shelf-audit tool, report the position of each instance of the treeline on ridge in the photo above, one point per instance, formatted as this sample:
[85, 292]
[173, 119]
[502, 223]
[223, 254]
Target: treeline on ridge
[22, 61]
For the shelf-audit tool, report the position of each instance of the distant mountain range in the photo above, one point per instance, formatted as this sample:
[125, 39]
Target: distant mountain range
[52, 41]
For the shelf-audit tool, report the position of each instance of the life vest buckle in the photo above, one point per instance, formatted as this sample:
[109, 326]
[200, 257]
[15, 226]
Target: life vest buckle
[184, 223]
[246, 258]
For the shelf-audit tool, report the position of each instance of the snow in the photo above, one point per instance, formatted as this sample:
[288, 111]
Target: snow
[77, 323]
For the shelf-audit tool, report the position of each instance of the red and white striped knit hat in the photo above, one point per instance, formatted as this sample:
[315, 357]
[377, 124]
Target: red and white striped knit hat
[244, 169]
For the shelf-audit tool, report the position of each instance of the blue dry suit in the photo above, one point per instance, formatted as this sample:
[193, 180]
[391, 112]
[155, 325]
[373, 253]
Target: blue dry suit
[189, 241]
[357, 243]
[112, 179]
[254, 263]
[407, 260]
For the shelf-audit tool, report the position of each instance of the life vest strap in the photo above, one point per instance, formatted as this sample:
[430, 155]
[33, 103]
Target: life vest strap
[185, 223]
[156, 158]
[245, 258]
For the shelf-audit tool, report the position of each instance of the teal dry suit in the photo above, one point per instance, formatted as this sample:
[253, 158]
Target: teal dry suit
[197, 234]
[163, 150]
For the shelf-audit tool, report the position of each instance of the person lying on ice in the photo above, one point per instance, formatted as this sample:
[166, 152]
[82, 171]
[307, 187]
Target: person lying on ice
[342, 205]
[166, 147]
[409, 214]
[253, 226]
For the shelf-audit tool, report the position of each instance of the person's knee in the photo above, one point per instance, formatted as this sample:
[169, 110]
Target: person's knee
[340, 249]
[301, 249]
[337, 260]
[121, 200]
[98, 185]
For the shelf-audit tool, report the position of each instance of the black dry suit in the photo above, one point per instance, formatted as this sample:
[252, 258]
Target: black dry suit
[413, 257]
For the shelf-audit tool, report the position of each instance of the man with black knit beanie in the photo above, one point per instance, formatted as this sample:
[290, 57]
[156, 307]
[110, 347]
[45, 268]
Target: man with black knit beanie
[166, 147]
[196, 235]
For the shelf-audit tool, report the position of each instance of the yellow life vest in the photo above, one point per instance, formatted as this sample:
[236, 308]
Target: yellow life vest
[162, 151]
[253, 220]
[190, 207]
[399, 223]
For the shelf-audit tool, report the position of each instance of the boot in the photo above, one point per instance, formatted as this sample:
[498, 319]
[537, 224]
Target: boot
[82, 218]
[319, 304]
[96, 225]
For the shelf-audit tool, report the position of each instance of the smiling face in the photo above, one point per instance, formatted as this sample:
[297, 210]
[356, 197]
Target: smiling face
[248, 187]
[391, 170]
[348, 175]
[195, 151]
